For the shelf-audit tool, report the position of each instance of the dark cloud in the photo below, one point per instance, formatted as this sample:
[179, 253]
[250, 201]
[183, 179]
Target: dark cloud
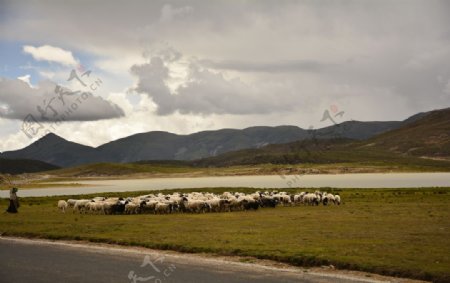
[204, 91]
[283, 55]
[19, 100]
[268, 67]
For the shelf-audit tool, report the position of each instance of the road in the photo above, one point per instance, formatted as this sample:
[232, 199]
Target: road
[362, 180]
[44, 261]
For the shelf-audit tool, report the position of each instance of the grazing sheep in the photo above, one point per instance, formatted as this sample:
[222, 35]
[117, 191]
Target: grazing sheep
[196, 202]
[163, 208]
[250, 204]
[195, 206]
[285, 199]
[62, 205]
[118, 207]
[149, 206]
[71, 202]
[331, 198]
[298, 198]
[311, 199]
[108, 205]
[96, 206]
[99, 199]
[214, 204]
[80, 205]
[337, 199]
[132, 208]
[268, 201]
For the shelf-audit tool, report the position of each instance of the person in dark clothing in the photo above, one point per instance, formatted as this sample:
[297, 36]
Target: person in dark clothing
[13, 201]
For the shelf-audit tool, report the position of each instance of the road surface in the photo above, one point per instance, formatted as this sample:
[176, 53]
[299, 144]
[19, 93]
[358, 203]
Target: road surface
[44, 261]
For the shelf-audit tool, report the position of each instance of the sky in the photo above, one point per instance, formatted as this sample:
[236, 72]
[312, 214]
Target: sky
[96, 71]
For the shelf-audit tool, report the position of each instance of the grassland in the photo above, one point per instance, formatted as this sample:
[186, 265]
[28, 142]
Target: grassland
[401, 232]
[325, 152]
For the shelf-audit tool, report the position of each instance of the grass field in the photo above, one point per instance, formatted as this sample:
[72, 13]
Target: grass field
[401, 232]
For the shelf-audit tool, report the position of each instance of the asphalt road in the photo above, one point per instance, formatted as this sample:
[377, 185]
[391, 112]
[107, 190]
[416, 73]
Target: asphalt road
[43, 261]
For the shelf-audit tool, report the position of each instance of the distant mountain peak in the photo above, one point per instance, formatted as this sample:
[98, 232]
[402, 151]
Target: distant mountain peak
[51, 137]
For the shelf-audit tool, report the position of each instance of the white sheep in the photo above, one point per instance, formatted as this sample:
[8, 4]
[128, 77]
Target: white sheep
[71, 202]
[95, 206]
[80, 205]
[285, 199]
[62, 205]
[132, 208]
[149, 206]
[195, 202]
[216, 204]
[311, 199]
[337, 199]
[162, 208]
[194, 205]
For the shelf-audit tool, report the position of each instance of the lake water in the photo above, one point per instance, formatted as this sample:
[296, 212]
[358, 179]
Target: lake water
[372, 180]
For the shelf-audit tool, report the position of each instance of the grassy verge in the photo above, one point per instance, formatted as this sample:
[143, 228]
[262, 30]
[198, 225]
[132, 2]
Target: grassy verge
[400, 232]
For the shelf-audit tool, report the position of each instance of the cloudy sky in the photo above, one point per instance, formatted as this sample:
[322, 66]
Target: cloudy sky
[95, 71]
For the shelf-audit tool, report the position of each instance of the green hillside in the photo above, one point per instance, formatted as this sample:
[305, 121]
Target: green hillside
[426, 137]
[424, 143]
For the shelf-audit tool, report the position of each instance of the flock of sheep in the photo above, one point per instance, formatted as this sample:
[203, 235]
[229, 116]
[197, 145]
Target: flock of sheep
[195, 202]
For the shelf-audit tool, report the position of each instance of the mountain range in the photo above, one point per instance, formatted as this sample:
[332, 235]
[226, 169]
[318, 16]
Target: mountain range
[416, 141]
[158, 145]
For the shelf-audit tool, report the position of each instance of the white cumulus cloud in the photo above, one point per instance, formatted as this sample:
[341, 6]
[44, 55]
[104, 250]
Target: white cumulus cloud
[51, 54]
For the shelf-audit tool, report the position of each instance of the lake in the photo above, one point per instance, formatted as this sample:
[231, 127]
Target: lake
[371, 180]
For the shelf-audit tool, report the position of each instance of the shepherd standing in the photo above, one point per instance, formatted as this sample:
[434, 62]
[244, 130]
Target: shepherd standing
[13, 201]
